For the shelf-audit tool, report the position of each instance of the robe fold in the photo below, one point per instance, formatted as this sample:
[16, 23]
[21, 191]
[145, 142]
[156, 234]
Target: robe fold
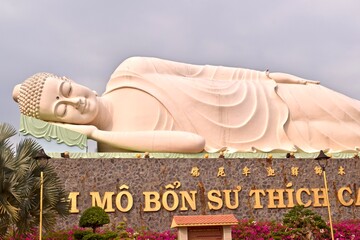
[243, 109]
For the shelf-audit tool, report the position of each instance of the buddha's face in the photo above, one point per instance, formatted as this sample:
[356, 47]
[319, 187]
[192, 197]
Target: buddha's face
[67, 102]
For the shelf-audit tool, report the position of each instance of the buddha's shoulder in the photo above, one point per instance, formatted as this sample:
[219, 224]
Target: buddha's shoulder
[141, 60]
[141, 65]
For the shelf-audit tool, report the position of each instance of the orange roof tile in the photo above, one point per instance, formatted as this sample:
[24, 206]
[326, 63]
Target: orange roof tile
[204, 220]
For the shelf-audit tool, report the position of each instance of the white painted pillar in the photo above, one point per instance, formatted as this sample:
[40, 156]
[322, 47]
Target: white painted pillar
[226, 232]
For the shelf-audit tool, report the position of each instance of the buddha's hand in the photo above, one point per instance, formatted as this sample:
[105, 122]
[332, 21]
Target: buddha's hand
[87, 130]
[311, 82]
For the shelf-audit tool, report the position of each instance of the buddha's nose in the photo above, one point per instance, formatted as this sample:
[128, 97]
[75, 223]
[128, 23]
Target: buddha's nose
[75, 101]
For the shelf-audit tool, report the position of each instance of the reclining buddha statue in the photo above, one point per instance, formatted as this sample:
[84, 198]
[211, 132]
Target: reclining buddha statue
[158, 105]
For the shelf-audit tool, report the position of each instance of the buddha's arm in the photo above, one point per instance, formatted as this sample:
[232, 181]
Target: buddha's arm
[146, 65]
[152, 141]
[288, 78]
[228, 73]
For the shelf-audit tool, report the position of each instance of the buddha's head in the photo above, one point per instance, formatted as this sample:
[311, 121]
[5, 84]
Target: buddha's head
[51, 98]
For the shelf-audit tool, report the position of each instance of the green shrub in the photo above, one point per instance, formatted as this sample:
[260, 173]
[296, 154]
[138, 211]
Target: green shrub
[99, 236]
[305, 223]
[121, 229]
[94, 217]
[109, 235]
[93, 236]
[80, 234]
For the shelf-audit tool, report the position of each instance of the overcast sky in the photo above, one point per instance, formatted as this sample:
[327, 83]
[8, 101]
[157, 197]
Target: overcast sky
[85, 40]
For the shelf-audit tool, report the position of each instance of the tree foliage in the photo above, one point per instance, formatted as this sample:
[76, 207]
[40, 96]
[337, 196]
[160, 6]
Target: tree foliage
[20, 187]
[305, 223]
[94, 217]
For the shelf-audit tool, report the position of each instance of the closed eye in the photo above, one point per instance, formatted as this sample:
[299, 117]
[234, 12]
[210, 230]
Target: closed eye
[66, 88]
[60, 110]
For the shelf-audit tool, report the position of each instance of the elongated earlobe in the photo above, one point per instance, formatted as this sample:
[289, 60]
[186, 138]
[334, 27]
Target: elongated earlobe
[16, 92]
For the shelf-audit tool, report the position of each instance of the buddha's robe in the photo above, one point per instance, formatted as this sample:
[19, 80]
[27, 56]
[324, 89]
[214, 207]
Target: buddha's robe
[243, 109]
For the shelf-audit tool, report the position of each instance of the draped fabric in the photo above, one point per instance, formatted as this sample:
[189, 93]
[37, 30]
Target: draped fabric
[49, 131]
[321, 118]
[242, 109]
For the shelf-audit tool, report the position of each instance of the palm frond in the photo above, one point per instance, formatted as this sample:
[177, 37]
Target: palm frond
[20, 186]
[25, 152]
[49, 218]
[54, 192]
[7, 209]
[6, 131]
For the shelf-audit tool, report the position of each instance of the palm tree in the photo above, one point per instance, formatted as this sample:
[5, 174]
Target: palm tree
[20, 187]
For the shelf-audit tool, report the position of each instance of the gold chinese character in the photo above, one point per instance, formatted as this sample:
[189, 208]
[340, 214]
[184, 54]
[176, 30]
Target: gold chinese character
[221, 172]
[270, 171]
[195, 172]
[341, 171]
[246, 171]
[318, 170]
[294, 171]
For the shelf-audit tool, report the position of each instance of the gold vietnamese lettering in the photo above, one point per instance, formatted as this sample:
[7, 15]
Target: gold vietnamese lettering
[358, 198]
[278, 197]
[73, 202]
[235, 199]
[257, 197]
[341, 171]
[195, 172]
[221, 172]
[270, 172]
[318, 170]
[129, 199]
[318, 196]
[298, 197]
[165, 200]
[290, 195]
[152, 201]
[190, 200]
[214, 196]
[294, 171]
[246, 171]
[107, 200]
[340, 195]
[172, 200]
